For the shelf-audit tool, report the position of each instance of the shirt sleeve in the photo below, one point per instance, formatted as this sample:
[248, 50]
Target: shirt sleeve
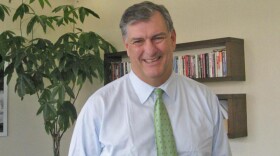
[85, 138]
[220, 141]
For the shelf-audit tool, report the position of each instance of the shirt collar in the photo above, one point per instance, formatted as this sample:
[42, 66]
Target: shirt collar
[144, 90]
[169, 86]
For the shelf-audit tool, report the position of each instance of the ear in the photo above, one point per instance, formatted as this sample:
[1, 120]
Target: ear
[126, 45]
[173, 38]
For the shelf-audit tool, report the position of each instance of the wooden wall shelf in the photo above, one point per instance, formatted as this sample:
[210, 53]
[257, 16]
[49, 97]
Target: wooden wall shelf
[237, 114]
[234, 56]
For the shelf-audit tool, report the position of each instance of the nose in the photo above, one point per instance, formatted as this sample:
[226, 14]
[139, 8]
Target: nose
[150, 47]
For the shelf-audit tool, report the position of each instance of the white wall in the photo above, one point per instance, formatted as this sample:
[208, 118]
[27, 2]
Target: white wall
[256, 21]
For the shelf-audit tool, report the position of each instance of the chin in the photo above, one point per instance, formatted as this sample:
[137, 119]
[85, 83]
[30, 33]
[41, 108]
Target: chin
[154, 75]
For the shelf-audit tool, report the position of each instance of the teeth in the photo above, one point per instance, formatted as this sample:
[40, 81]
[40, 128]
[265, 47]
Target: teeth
[151, 60]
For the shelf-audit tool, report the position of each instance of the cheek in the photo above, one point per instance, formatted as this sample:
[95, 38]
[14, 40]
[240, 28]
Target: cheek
[134, 58]
[168, 52]
[134, 53]
[169, 58]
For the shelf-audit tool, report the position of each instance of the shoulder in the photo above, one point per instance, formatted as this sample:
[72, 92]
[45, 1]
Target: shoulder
[104, 98]
[114, 86]
[196, 90]
[190, 84]
[109, 92]
[199, 95]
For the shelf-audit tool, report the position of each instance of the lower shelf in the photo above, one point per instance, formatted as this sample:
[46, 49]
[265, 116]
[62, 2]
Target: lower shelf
[236, 123]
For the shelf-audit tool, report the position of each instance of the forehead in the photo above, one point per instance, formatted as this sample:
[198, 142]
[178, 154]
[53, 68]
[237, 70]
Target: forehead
[155, 24]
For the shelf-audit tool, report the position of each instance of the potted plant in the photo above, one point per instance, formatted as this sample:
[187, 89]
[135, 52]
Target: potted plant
[52, 70]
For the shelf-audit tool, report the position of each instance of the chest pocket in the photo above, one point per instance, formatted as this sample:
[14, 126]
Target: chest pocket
[197, 139]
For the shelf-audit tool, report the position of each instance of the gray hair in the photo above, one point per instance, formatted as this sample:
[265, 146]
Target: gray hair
[144, 11]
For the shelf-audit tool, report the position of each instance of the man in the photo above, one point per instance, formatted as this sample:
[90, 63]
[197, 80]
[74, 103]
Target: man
[118, 119]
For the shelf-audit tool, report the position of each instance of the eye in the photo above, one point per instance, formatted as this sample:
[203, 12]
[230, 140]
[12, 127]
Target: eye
[158, 39]
[137, 42]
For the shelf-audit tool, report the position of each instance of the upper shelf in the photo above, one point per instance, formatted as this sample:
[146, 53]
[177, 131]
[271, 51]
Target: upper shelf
[234, 56]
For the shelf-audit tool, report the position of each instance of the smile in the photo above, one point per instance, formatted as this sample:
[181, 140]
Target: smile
[152, 60]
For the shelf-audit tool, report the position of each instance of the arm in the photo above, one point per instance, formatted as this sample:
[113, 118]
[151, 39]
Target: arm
[220, 141]
[85, 139]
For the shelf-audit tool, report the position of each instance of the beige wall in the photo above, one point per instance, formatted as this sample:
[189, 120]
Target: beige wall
[256, 21]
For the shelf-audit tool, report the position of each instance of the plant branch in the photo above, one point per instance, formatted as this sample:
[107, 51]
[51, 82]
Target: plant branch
[77, 95]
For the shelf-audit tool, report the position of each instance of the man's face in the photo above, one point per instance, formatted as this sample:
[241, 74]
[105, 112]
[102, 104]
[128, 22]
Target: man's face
[150, 48]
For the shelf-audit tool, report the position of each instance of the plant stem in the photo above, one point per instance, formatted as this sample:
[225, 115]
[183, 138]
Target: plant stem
[56, 139]
[77, 95]
[56, 144]
[20, 23]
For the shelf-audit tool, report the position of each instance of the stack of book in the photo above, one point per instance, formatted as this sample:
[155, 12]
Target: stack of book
[205, 65]
[118, 69]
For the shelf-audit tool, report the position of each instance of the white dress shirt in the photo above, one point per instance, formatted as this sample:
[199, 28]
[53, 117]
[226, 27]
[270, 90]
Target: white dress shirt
[117, 120]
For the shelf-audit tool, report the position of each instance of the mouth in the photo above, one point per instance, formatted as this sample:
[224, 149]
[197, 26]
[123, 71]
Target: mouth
[152, 60]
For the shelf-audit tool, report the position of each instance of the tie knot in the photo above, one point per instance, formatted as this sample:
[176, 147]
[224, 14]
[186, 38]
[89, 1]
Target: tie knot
[158, 92]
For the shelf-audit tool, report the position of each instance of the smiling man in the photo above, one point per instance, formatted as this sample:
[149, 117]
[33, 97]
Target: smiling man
[124, 118]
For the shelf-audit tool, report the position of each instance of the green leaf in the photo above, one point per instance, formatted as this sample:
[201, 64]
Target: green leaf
[47, 105]
[54, 91]
[19, 57]
[42, 3]
[30, 87]
[87, 11]
[61, 93]
[31, 1]
[20, 11]
[57, 9]
[66, 38]
[25, 85]
[49, 24]
[79, 29]
[45, 96]
[59, 22]
[72, 20]
[87, 40]
[38, 79]
[69, 14]
[9, 71]
[49, 4]
[71, 111]
[4, 9]
[82, 13]
[81, 79]
[42, 20]
[40, 110]
[20, 86]
[31, 24]
[49, 111]
[2, 14]
[69, 91]
[67, 115]
[49, 126]
[6, 38]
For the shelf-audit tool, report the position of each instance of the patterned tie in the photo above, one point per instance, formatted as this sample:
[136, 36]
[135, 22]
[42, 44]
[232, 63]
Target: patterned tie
[164, 136]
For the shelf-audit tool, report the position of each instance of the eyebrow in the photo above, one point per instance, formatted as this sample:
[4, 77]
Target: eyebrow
[140, 38]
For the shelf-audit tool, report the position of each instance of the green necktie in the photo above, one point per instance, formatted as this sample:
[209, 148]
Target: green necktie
[164, 135]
